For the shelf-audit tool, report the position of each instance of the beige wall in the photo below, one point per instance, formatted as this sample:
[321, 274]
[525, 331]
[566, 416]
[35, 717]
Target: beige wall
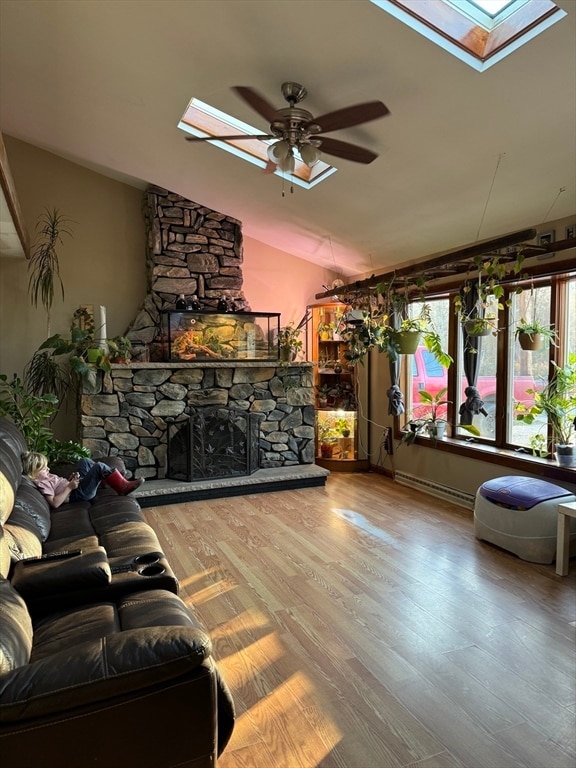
[275, 281]
[104, 261]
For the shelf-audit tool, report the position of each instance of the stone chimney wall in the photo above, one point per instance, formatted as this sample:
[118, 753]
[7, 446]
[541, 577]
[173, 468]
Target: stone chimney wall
[192, 250]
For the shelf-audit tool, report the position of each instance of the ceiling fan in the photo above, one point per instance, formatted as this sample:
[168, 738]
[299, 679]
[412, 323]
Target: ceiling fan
[297, 129]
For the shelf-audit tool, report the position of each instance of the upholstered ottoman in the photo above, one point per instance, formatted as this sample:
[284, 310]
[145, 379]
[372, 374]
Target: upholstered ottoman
[520, 515]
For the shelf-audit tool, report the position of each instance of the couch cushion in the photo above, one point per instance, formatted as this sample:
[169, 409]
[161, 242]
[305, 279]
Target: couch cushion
[64, 631]
[71, 520]
[5, 555]
[7, 495]
[130, 539]
[31, 510]
[15, 629]
[21, 542]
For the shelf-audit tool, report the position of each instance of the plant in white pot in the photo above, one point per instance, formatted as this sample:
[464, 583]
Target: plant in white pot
[429, 417]
[557, 402]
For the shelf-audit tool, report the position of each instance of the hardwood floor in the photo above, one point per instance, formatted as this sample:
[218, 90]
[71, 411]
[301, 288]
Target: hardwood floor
[362, 625]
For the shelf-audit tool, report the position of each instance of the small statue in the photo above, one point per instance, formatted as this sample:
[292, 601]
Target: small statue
[395, 400]
[471, 406]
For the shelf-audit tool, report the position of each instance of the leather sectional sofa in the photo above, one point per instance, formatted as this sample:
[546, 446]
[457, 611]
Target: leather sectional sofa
[101, 663]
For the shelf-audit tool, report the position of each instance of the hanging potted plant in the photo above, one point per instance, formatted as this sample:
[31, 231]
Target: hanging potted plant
[532, 335]
[480, 326]
[479, 317]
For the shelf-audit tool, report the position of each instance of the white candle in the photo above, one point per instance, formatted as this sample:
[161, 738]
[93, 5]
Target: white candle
[101, 329]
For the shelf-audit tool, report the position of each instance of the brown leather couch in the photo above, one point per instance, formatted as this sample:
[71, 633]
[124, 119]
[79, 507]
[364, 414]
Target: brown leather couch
[101, 663]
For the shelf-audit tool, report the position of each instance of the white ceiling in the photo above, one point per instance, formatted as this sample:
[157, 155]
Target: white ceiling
[105, 82]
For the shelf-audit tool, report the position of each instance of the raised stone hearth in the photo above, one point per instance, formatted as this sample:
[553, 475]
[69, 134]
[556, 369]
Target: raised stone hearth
[157, 493]
[135, 407]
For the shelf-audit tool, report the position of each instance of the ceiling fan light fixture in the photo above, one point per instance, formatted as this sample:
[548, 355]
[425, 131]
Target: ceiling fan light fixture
[287, 164]
[279, 151]
[309, 154]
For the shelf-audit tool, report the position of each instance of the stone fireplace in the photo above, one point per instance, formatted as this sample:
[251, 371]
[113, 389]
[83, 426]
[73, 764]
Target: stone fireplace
[191, 250]
[136, 410]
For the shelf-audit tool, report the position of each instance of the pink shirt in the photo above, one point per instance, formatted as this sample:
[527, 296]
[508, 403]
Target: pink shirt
[51, 485]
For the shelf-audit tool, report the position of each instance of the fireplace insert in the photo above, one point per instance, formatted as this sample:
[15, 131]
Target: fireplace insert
[214, 443]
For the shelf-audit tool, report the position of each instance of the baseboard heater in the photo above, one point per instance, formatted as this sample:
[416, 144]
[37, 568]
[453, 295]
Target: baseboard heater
[435, 489]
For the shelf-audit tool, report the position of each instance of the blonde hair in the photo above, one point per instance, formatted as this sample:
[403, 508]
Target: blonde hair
[33, 463]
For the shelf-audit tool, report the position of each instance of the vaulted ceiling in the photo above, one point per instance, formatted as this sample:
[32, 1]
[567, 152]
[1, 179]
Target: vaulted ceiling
[462, 156]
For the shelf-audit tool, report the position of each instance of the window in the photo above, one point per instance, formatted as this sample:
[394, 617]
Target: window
[503, 370]
[478, 32]
[202, 120]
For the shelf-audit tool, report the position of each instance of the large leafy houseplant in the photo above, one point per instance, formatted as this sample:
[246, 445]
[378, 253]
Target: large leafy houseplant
[557, 402]
[58, 359]
[31, 414]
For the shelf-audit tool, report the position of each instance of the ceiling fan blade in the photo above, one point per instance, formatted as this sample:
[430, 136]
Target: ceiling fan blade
[349, 116]
[270, 167]
[257, 102]
[347, 151]
[230, 138]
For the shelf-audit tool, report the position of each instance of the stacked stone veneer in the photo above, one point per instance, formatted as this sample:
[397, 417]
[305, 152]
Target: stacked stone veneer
[192, 250]
[129, 412]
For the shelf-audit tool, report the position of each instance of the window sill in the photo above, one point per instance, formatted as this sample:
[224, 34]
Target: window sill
[547, 468]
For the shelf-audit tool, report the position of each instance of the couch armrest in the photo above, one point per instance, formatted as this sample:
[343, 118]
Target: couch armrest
[34, 579]
[99, 670]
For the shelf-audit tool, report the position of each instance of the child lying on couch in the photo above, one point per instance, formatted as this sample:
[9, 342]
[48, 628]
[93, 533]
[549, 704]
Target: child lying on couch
[80, 486]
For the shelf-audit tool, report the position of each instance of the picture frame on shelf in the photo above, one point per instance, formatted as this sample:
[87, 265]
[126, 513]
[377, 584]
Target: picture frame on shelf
[545, 238]
[570, 231]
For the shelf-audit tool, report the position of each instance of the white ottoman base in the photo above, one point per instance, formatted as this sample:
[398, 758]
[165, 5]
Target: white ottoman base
[530, 533]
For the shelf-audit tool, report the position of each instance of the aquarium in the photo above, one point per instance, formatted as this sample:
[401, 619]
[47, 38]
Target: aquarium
[211, 336]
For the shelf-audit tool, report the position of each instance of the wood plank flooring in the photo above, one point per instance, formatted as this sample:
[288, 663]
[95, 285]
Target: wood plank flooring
[362, 625]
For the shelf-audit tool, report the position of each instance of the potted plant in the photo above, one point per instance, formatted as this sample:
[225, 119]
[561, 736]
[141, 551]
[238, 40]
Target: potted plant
[327, 437]
[429, 417]
[481, 319]
[78, 354]
[322, 391]
[326, 330]
[32, 415]
[289, 341]
[413, 330]
[43, 266]
[120, 349]
[480, 326]
[531, 335]
[557, 402]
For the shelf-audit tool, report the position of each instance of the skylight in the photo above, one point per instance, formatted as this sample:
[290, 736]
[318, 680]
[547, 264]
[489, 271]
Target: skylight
[201, 119]
[478, 32]
[491, 7]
